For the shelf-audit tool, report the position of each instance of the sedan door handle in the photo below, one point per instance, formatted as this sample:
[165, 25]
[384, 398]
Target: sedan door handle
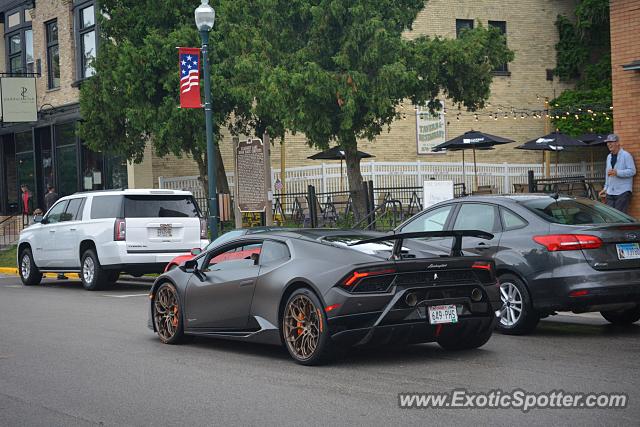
[52, 231]
[482, 245]
[246, 282]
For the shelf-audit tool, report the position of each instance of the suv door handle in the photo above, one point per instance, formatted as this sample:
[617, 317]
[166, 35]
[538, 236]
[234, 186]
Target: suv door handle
[72, 229]
[52, 231]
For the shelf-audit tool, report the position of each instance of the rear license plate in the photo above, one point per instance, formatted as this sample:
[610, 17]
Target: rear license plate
[628, 250]
[165, 230]
[443, 314]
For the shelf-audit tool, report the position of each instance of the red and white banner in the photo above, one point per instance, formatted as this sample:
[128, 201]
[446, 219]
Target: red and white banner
[189, 62]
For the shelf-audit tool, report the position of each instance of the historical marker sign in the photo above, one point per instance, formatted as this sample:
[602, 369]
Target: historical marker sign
[251, 176]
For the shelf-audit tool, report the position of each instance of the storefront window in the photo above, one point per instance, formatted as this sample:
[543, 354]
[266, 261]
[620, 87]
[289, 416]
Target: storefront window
[116, 172]
[92, 170]
[66, 159]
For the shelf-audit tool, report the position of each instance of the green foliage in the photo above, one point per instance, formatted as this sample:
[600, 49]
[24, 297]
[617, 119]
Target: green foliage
[578, 102]
[584, 56]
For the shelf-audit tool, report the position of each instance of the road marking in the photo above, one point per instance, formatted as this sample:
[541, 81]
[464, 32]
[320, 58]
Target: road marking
[125, 296]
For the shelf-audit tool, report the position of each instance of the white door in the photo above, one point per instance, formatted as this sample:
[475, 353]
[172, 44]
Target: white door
[67, 235]
[45, 253]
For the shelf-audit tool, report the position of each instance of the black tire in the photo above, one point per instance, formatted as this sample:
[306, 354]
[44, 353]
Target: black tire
[93, 276]
[113, 276]
[466, 335]
[528, 318]
[622, 317]
[167, 316]
[293, 336]
[29, 273]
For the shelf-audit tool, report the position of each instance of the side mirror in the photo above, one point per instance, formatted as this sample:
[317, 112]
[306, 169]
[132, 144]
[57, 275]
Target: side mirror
[255, 258]
[190, 266]
[196, 251]
[37, 219]
[44, 221]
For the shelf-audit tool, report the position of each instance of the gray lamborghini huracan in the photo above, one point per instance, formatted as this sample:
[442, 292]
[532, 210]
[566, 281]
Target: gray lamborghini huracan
[316, 291]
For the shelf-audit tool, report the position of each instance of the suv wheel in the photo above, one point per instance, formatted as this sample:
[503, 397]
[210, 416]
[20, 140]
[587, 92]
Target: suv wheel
[622, 317]
[29, 272]
[517, 316]
[93, 277]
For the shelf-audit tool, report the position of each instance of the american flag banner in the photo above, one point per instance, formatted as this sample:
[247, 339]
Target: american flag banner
[189, 61]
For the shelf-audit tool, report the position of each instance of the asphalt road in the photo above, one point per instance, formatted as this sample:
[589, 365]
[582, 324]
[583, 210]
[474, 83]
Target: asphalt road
[72, 357]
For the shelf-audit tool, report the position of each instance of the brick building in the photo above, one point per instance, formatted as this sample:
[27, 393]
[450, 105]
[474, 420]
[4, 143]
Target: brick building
[522, 84]
[53, 41]
[625, 65]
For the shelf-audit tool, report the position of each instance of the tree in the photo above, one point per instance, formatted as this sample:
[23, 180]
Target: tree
[584, 56]
[337, 70]
[133, 97]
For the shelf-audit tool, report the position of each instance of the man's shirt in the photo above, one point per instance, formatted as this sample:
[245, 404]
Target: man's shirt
[625, 168]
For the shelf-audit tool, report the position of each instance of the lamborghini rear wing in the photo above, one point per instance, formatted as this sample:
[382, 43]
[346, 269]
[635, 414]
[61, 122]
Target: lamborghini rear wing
[456, 247]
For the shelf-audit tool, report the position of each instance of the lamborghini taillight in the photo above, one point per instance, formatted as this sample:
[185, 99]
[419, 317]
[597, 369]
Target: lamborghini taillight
[369, 279]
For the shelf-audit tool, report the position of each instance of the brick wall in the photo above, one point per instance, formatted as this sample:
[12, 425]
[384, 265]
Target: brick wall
[62, 10]
[531, 33]
[625, 48]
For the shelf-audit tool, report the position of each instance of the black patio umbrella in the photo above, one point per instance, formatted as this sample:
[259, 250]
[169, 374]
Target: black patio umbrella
[337, 153]
[555, 141]
[471, 140]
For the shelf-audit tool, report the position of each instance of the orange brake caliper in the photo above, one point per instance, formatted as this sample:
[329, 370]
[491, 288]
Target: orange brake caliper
[174, 321]
[299, 325]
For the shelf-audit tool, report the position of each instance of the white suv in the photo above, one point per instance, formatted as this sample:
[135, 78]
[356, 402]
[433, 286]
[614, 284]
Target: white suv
[101, 234]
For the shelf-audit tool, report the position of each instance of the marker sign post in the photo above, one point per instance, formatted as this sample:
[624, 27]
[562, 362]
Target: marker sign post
[436, 192]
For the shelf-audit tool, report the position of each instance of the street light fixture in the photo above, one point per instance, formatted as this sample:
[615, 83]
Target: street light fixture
[205, 17]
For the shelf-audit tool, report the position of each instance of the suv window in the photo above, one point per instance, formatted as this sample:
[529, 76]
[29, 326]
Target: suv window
[74, 210]
[574, 212]
[434, 220]
[161, 206]
[106, 207]
[477, 216]
[56, 212]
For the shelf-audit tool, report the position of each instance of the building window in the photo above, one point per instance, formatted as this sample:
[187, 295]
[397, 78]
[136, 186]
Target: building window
[86, 37]
[13, 20]
[19, 43]
[502, 27]
[53, 54]
[462, 25]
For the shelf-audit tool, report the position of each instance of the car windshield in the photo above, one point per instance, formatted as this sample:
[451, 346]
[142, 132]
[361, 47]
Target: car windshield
[575, 211]
[229, 235]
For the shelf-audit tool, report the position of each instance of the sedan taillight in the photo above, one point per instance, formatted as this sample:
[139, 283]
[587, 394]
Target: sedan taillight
[120, 230]
[568, 242]
[203, 228]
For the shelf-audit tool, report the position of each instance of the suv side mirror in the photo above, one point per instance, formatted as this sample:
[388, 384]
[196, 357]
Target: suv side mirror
[37, 219]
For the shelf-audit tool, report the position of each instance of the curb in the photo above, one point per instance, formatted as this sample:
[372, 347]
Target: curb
[14, 272]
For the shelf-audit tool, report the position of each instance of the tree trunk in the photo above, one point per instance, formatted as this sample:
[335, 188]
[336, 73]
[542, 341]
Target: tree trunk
[354, 176]
[221, 175]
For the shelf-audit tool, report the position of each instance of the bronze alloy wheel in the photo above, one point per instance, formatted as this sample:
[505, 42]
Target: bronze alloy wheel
[302, 327]
[166, 312]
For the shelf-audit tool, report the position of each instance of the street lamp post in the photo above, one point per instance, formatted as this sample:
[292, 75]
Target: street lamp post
[205, 17]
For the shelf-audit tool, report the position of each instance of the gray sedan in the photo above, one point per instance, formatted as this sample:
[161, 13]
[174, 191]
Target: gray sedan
[552, 254]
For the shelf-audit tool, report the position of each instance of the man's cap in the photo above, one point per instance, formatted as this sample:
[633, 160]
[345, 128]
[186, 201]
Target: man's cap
[612, 137]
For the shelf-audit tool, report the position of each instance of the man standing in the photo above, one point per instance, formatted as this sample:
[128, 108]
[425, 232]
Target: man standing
[619, 176]
[50, 198]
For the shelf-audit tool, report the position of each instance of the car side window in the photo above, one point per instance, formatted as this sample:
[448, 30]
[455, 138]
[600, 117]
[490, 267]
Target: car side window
[242, 254]
[274, 253]
[511, 220]
[477, 216]
[56, 213]
[434, 220]
[74, 210]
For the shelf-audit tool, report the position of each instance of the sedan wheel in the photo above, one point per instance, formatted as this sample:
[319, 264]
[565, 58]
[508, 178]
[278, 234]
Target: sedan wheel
[511, 304]
[167, 317]
[304, 329]
[517, 315]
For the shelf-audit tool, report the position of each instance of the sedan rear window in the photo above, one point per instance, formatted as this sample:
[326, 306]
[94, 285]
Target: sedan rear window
[160, 206]
[575, 211]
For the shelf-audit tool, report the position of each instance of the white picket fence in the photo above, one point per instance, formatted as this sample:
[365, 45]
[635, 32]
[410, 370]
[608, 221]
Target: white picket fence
[327, 177]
